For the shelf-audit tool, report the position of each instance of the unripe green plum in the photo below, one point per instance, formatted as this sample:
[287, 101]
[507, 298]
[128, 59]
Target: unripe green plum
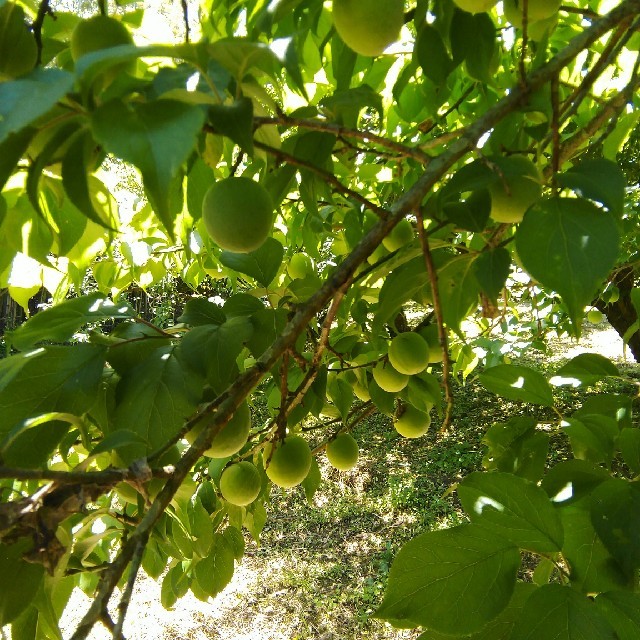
[240, 483]
[409, 353]
[431, 336]
[388, 378]
[300, 266]
[400, 236]
[238, 214]
[289, 463]
[361, 392]
[413, 423]
[231, 438]
[342, 452]
[368, 26]
[515, 190]
[536, 10]
[595, 316]
[18, 48]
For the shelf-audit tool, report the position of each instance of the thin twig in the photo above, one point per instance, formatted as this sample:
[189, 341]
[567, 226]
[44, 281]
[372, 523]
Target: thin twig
[525, 42]
[325, 175]
[108, 477]
[185, 17]
[344, 132]
[442, 332]
[44, 10]
[555, 129]
[125, 600]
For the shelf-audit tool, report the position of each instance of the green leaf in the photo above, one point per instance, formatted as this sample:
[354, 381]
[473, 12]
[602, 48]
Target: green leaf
[242, 304]
[341, 394]
[154, 400]
[432, 55]
[615, 513]
[19, 581]
[239, 56]
[211, 351]
[61, 322]
[384, 400]
[344, 106]
[235, 121]
[262, 264]
[399, 287]
[255, 520]
[569, 245]
[201, 528]
[23, 101]
[514, 508]
[157, 137]
[517, 383]
[11, 150]
[491, 269]
[214, 572]
[452, 581]
[622, 610]
[236, 540]
[471, 214]
[78, 163]
[629, 445]
[586, 368]
[571, 480]
[554, 612]
[458, 289]
[600, 180]
[612, 405]
[516, 447]
[52, 378]
[593, 570]
[311, 483]
[481, 59]
[592, 437]
[199, 311]
[499, 628]
[117, 440]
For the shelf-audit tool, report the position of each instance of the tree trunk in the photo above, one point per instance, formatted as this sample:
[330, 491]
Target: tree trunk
[622, 314]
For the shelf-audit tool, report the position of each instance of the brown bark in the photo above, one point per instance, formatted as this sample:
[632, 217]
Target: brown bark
[622, 314]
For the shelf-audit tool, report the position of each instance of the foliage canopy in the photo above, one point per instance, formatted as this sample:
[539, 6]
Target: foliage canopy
[393, 176]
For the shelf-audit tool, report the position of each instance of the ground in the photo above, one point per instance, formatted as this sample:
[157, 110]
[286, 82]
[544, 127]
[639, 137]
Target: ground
[321, 569]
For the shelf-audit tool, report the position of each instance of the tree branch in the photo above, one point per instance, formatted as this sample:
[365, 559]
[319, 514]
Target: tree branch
[442, 332]
[344, 132]
[44, 10]
[325, 175]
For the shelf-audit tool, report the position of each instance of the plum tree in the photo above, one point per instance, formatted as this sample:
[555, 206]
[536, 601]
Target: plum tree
[409, 353]
[240, 483]
[342, 452]
[238, 214]
[158, 212]
[368, 26]
[289, 461]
